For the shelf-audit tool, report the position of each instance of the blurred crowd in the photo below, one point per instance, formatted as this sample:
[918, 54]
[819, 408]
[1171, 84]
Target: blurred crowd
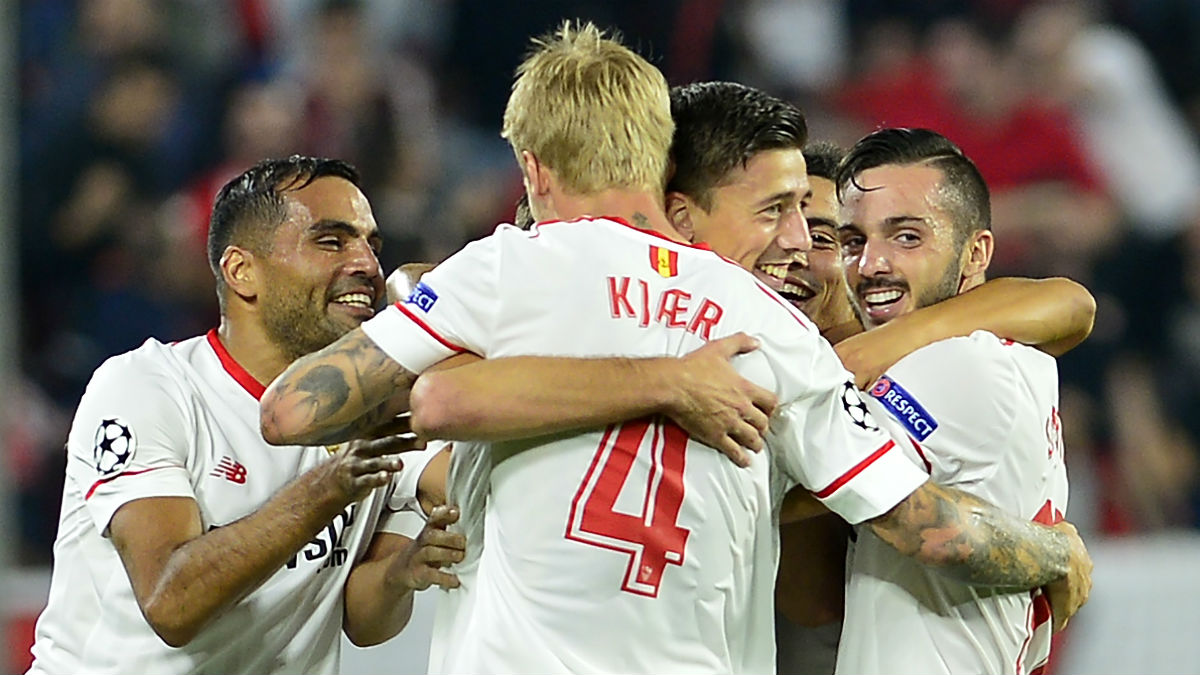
[1082, 115]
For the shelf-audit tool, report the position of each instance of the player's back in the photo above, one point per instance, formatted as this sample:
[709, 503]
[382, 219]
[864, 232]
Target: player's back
[627, 549]
[983, 414]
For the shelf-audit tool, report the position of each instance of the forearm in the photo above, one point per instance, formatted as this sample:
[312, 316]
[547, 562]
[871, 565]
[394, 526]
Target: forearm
[341, 392]
[972, 541]
[208, 574]
[378, 605]
[521, 397]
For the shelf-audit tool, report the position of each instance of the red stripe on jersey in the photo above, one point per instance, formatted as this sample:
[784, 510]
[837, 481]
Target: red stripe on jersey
[102, 481]
[432, 333]
[235, 369]
[854, 471]
[921, 452]
[781, 302]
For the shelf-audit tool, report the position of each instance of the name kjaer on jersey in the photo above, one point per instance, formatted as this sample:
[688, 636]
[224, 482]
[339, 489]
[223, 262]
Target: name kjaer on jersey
[672, 307]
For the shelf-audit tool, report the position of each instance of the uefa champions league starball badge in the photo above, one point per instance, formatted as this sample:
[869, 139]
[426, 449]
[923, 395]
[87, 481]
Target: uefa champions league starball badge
[113, 447]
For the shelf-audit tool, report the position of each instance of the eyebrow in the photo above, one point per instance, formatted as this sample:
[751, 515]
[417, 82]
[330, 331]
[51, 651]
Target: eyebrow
[329, 225]
[821, 222]
[892, 223]
[778, 196]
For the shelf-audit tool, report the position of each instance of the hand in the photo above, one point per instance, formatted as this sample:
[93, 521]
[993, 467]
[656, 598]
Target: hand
[419, 565]
[401, 282]
[868, 357]
[361, 466]
[716, 405]
[1070, 593]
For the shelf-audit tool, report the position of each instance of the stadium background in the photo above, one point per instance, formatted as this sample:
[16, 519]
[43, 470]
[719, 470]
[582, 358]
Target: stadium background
[121, 118]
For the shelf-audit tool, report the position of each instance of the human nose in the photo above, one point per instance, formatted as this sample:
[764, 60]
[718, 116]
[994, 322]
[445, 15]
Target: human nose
[795, 236]
[874, 259]
[362, 260]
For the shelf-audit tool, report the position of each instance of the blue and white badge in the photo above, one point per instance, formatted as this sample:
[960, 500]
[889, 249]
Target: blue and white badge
[901, 405]
[422, 296]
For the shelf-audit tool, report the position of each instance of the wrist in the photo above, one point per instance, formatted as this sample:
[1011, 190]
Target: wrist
[663, 384]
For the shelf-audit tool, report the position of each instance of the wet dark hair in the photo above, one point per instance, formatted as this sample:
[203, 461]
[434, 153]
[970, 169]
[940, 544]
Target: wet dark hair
[722, 125]
[249, 207]
[963, 189]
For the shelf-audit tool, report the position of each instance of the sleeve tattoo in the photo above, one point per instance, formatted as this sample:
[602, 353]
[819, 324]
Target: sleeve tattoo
[338, 393]
[972, 541]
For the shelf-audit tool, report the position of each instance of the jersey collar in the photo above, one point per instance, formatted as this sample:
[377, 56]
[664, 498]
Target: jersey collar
[235, 369]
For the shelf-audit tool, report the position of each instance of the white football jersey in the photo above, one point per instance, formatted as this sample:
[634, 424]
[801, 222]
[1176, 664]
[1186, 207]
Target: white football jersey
[982, 416]
[181, 420]
[631, 548]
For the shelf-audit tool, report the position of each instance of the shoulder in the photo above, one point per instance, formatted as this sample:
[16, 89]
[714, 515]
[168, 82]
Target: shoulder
[150, 372]
[969, 381]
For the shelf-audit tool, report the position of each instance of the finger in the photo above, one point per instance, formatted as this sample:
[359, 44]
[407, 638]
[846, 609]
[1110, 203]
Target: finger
[731, 449]
[738, 343]
[387, 445]
[443, 539]
[757, 419]
[746, 436]
[436, 556]
[400, 424]
[370, 481]
[445, 580]
[443, 515]
[389, 463]
[764, 399]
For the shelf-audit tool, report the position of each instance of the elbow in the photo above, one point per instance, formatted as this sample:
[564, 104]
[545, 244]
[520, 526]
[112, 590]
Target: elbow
[1080, 307]
[273, 421]
[169, 624]
[430, 406]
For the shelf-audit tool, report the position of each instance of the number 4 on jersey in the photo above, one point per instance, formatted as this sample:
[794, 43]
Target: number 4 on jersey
[652, 539]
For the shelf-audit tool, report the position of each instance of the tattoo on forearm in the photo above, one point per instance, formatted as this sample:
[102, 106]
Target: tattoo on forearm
[973, 541]
[342, 391]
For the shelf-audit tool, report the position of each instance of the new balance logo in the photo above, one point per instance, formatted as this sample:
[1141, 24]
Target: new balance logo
[230, 470]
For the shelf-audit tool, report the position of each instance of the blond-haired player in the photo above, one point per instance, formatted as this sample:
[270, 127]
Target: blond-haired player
[620, 549]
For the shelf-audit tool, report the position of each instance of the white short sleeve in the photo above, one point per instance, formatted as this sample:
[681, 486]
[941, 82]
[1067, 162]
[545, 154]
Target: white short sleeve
[450, 311]
[962, 392]
[130, 438]
[828, 441]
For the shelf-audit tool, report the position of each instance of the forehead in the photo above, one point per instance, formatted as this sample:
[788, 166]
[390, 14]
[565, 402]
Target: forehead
[892, 191]
[824, 203]
[768, 173]
[330, 198]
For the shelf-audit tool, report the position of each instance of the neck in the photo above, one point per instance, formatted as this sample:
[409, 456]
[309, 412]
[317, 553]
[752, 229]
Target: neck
[251, 348]
[639, 208]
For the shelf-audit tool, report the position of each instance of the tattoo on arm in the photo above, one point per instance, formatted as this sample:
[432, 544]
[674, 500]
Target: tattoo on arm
[972, 541]
[340, 392]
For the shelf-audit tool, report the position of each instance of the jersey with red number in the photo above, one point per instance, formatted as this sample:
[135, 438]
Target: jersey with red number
[181, 420]
[982, 416]
[631, 548]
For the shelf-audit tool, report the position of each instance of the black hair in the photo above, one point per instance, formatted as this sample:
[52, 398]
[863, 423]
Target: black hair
[822, 159]
[963, 188]
[250, 207]
[721, 125]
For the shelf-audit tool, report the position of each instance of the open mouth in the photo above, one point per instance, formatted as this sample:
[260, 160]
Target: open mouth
[882, 304]
[791, 286]
[358, 301]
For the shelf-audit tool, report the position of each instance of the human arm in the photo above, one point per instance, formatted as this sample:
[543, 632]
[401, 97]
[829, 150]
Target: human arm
[379, 589]
[520, 397]
[974, 542]
[183, 577]
[1053, 315]
[810, 583]
[342, 391]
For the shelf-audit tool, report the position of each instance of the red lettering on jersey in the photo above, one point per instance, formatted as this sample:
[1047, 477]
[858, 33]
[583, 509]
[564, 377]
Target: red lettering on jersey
[645, 303]
[618, 297]
[706, 317]
[671, 305]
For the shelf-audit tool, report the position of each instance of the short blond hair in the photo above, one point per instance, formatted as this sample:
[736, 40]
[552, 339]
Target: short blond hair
[591, 110]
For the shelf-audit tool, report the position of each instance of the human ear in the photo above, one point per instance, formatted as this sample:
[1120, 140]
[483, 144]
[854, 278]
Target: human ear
[679, 213]
[239, 273]
[978, 253]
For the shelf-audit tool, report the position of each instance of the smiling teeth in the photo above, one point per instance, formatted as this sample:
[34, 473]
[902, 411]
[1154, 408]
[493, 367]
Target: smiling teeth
[777, 271]
[882, 297]
[358, 299]
[796, 290]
